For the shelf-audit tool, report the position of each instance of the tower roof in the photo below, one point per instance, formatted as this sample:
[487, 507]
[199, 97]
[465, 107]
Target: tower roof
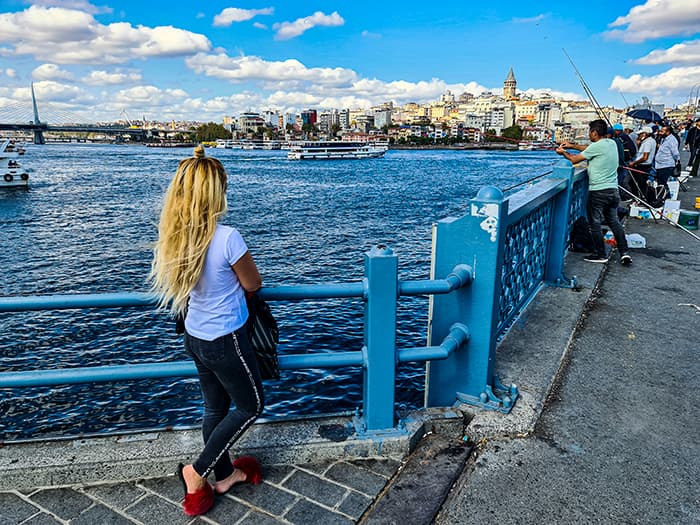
[510, 76]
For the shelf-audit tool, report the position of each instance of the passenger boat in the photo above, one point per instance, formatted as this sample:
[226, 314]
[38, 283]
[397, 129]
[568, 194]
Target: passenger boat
[13, 175]
[312, 150]
[537, 145]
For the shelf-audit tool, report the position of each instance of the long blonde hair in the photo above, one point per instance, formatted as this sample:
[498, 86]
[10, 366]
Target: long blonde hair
[194, 202]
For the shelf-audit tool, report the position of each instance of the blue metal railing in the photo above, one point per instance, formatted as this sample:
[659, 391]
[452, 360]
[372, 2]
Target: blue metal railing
[485, 267]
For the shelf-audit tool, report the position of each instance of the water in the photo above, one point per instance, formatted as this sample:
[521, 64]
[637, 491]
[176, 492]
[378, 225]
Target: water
[86, 224]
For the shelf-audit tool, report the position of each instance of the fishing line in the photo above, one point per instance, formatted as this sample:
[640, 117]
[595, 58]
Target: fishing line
[589, 93]
[654, 212]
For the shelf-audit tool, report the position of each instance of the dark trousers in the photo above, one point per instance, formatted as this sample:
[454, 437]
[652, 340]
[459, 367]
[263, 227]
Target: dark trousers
[228, 372]
[639, 180]
[602, 207]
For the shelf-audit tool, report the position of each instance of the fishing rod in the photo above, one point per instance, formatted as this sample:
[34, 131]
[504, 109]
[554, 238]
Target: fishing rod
[589, 93]
[654, 212]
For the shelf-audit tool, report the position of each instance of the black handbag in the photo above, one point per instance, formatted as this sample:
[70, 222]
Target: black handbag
[264, 336]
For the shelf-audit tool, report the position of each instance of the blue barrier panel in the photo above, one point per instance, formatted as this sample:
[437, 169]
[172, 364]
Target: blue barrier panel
[485, 267]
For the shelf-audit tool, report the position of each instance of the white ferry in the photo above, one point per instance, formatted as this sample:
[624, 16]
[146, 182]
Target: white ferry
[227, 144]
[312, 150]
[13, 175]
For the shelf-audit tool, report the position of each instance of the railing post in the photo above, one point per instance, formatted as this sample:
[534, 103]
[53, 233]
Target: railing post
[559, 228]
[476, 239]
[381, 274]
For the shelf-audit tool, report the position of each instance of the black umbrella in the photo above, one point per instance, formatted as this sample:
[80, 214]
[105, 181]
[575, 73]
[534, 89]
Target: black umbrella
[645, 114]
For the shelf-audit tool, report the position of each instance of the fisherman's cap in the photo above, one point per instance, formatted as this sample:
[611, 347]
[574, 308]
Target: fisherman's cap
[646, 129]
[618, 126]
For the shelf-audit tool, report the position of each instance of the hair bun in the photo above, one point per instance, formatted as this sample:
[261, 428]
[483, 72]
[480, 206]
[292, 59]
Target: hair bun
[199, 152]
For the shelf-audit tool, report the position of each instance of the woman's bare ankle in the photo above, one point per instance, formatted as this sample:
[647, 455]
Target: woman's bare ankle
[193, 480]
[237, 476]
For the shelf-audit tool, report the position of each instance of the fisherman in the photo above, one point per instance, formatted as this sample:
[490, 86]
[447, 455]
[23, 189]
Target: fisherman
[642, 163]
[603, 196]
[628, 144]
[666, 156]
[692, 142]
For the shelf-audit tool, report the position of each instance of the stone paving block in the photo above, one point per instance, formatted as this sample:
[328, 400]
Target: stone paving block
[118, 495]
[227, 510]
[169, 487]
[276, 473]
[14, 509]
[319, 467]
[355, 504]
[358, 478]
[265, 496]
[383, 467]
[156, 511]
[257, 518]
[64, 503]
[102, 515]
[305, 512]
[38, 519]
[313, 487]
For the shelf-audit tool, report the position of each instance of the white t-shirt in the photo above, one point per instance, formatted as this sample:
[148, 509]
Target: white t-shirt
[647, 145]
[217, 302]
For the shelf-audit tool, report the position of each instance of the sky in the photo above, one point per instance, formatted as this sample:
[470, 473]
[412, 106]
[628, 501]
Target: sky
[201, 61]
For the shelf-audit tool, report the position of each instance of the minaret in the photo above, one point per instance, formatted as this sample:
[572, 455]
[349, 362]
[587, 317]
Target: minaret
[509, 86]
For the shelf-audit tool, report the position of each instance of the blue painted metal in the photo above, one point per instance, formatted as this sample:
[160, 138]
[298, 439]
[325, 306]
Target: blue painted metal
[477, 238]
[486, 266]
[381, 275]
[457, 337]
[559, 234]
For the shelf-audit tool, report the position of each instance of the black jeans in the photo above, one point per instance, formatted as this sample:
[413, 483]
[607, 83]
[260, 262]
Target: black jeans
[602, 207]
[228, 371]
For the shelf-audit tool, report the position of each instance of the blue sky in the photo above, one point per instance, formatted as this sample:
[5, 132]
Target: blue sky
[206, 60]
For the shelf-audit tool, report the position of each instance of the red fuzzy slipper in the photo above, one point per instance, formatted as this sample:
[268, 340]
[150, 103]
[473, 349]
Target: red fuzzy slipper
[199, 502]
[251, 467]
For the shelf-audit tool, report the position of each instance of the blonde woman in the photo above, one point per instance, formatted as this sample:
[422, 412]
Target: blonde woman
[204, 268]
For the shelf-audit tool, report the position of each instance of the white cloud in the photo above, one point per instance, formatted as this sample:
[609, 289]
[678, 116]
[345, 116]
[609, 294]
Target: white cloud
[234, 14]
[287, 30]
[66, 36]
[564, 95]
[10, 72]
[683, 53]
[530, 20]
[676, 82]
[657, 19]
[255, 68]
[259, 25]
[150, 95]
[51, 72]
[106, 78]
[80, 5]
[51, 91]
[200, 15]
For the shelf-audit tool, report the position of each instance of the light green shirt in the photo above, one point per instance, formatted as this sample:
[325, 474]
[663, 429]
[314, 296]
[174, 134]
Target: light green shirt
[602, 164]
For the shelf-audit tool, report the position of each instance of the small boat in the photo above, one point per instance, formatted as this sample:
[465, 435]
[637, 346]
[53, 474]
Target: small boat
[313, 150]
[13, 175]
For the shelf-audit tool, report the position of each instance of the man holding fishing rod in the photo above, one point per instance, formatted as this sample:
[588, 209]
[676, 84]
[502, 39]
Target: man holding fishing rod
[603, 196]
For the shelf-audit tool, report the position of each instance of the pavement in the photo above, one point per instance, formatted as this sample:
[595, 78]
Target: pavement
[605, 430]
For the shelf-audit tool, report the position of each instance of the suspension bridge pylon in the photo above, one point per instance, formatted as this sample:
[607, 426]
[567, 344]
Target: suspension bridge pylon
[38, 134]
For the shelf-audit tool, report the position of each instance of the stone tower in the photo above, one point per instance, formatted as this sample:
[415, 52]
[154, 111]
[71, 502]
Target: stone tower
[509, 86]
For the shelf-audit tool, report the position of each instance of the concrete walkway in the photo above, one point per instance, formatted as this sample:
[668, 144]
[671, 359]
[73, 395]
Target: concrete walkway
[619, 439]
[605, 431]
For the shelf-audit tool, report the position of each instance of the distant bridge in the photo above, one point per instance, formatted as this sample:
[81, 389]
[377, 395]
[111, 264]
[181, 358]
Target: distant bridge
[39, 127]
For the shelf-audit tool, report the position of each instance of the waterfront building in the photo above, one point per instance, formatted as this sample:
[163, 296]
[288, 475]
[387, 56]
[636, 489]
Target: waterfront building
[382, 118]
[328, 119]
[249, 123]
[309, 116]
[509, 86]
[270, 117]
[344, 118]
[547, 114]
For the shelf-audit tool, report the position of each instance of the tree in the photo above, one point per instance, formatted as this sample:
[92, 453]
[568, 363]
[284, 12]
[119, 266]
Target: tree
[210, 132]
[513, 132]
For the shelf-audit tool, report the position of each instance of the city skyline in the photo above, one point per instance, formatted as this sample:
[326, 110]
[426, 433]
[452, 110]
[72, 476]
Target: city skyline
[223, 58]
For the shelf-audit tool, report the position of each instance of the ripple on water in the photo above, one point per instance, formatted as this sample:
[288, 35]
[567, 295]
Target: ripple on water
[88, 220]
